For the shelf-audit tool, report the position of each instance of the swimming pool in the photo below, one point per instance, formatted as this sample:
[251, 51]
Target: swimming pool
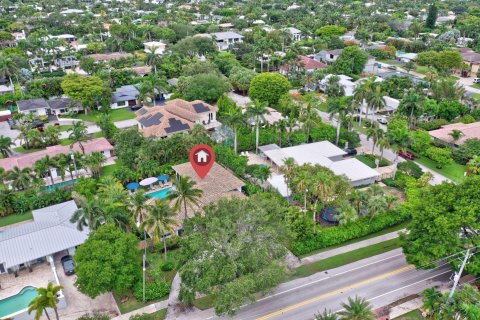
[160, 194]
[17, 302]
[60, 185]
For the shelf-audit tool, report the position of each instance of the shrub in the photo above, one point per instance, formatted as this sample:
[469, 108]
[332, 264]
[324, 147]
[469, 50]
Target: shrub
[167, 266]
[432, 125]
[95, 316]
[467, 119]
[441, 156]
[251, 189]
[410, 168]
[326, 237]
[467, 151]
[153, 290]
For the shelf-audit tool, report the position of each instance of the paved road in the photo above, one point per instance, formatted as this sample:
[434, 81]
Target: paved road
[382, 279]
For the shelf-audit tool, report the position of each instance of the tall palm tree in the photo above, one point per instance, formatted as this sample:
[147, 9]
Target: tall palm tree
[361, 94]
[138, 206]
[337, 107]
[185, 194]
[234, 118]
[89, 214]
[281, 127]
[412, 103]
[94, 162]
[152, 59]
[8, 68]
[44, 167]
[376, 133]
[160, 221]
[6, 144]
[78, 134]
[46, 298]
[376, 100]
[357, 309]
[257, 110]
[21, 178]
[326, 315]
[309, 118]
[383, 143]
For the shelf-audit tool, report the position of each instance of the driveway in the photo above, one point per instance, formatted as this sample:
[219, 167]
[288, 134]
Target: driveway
[77, 303]
[5, 131]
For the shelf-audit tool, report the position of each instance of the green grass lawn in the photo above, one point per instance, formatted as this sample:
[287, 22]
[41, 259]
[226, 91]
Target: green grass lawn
[346, 258]
[204, 303]
[15, 218]
[64, 127]
[412, 315]
[159, 315]
[23, 150]
[454, 171]
[370, 236]
[116, 115]
[477, 96]
[108, 170]
[476, 85]
[422, 69]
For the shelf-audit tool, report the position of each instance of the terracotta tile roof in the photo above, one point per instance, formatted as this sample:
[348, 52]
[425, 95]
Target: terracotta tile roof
[308, 64]
[470, 131]
[219, 183]
[28, 160]
[175, 116]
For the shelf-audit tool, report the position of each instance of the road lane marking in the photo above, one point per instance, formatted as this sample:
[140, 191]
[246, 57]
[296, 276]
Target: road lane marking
[329, 277]
[332, 293]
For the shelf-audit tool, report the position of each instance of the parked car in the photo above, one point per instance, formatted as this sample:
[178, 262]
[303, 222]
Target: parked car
[476, 80]
[392, 67]
[382, 121]
[350, 151]
[406, 155]
[11, 123]
[68, 265]
[37, 124]
[136, 107]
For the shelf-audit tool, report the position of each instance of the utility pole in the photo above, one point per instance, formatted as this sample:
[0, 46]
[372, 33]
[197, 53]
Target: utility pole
[458, 274]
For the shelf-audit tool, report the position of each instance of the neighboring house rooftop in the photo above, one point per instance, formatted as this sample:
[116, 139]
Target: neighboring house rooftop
[125, 93]
[54, 103]
[174, 116]
[50, 232]
[471, 57]
[219, 183]
[226, 35]
[308, 64]
[469, 130]
[28, 160]
[109, 56]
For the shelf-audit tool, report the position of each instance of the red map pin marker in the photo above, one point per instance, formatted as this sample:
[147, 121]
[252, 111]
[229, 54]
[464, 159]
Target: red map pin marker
[202, 158]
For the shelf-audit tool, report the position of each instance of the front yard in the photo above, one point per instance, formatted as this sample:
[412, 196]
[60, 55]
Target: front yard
[15, 218]
[412, 315]
[116, 115]
[454, 171]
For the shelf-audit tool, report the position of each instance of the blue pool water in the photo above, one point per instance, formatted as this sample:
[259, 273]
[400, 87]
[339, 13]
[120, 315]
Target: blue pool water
[17, 302]
[160, 194]
[60, 185]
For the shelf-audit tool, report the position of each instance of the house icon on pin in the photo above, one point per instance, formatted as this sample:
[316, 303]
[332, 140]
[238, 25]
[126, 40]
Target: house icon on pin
[202, 156]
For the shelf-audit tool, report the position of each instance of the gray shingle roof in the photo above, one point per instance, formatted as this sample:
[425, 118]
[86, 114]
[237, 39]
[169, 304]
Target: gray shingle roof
[227, 35]
[32, 104]
[50, 232]
[125, 93]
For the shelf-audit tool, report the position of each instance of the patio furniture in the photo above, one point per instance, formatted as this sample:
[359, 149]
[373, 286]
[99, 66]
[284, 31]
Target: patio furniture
[163, 179]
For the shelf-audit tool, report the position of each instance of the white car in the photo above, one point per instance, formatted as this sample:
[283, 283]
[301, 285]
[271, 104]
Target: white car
[476, 80]
[382, 121]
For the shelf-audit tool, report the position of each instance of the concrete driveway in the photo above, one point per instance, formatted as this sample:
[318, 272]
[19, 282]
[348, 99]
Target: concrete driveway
[79, 304]
[5, 131]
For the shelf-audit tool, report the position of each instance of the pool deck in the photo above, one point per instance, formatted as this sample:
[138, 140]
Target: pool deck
[40, 276]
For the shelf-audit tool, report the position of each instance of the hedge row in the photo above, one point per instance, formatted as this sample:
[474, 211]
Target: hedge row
[327, 237]
[21, 202]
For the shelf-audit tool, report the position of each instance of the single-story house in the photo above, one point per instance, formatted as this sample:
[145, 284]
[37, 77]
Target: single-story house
[225, 40]
[176, 116]
[406, 56]
[472, 59]
[391, 105]
[158, 46]
[469, 131]
[219, 183]
[345, 81]
[328, 56]
[295, 34]
[305, 64]
[42, 107]
[125, 96]
[322, 153]
[388, 74]
[4, 89]
[39, 240]
[28, 160]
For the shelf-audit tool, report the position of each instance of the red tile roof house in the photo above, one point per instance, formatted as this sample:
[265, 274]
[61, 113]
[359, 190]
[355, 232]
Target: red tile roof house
[303, 64]
[470, 131]
[28, 160]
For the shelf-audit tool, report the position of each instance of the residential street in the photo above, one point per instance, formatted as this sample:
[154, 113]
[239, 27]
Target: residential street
[382, 279]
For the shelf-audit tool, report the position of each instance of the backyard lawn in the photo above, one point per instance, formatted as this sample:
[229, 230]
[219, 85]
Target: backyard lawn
[412, 315]
[116, 115]
[23, 150]
[422, 69]
[15, 218]
[454, 171]
[108, 170]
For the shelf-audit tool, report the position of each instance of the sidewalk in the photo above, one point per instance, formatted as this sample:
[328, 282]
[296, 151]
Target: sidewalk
[151, 308]
[351, 247]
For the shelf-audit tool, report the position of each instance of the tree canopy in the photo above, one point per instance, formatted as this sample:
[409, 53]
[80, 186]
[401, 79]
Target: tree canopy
[268, 87]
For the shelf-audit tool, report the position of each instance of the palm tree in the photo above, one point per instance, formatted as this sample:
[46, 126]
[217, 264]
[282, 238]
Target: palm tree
[160, 221]
[89, 214]
[21, 178]
[138, 206]
[287, 168]
[309, 117]
[234, 118]
[383, 143]
[334, 89]
[5, 146]
[456, 135]
[46, 298]
[376, 133]
[376, 100]
[357, 309]
[78, 134]
[51, 135]
[44, 167]
[326, 315]
[8, 67]
[152, 59]
[432, 302]
[337, 107]
[412, 103]
[256, 110]
[361, 94]
[185, 193]
[94, 162]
